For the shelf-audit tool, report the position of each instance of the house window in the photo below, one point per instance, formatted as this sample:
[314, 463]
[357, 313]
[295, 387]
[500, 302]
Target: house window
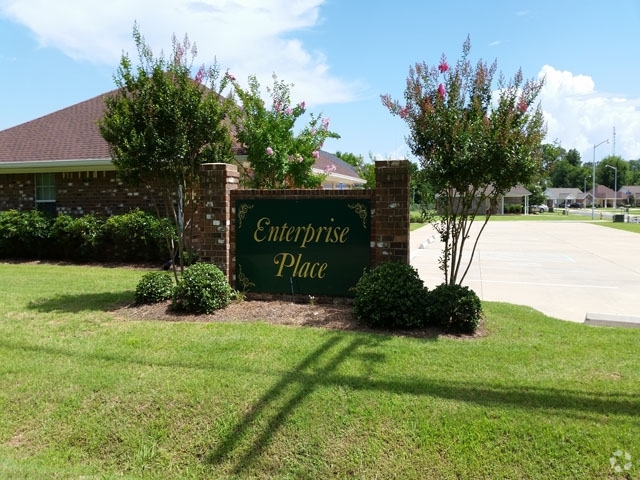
[46, 193]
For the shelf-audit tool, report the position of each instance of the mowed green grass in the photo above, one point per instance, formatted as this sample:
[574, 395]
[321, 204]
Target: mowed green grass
[88, 394]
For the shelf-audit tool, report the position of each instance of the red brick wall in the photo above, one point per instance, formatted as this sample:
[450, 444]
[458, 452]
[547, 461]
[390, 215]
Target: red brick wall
[217, 182]
[391, 200]
[389, 212]
[17, 191]
[101, 193]
[79, 193]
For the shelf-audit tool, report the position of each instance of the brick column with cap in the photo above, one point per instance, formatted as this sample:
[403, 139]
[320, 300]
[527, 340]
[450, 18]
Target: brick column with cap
[217, 180]
[390, 235]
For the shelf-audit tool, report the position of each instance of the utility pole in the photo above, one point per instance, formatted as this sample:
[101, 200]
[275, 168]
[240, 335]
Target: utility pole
[613, 147]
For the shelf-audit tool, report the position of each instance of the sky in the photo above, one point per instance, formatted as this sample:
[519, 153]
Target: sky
[341, 55]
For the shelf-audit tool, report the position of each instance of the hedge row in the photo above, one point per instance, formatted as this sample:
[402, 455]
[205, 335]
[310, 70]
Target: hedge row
[132, 237]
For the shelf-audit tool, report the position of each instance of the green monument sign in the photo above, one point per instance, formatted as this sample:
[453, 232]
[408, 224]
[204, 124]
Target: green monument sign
[307, 246]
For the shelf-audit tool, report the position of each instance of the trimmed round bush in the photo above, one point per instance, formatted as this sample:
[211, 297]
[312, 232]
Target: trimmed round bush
[203, 288]
[455, 308]
[154, 287]
[392, 295]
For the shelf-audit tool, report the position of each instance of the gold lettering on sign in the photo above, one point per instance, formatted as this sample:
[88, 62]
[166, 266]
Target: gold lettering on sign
[301, 235]
[297, 268]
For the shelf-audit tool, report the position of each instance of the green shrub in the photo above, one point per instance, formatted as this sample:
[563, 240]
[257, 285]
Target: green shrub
[454, 307]
[76, 238]
[154, 287]
[416, 217]
[86, 234]
[203, 288]
[137, 236]
[392, 295]
[24, 234]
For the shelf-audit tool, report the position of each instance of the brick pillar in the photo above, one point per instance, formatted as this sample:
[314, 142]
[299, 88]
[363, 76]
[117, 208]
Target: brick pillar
[217, 180]
[390, 228]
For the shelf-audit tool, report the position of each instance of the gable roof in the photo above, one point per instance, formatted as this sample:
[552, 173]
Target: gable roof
[563, 193]
[630, 190]
[343, 170]
[602, 191]
[69, 139]
[518, 191]
[68, 134]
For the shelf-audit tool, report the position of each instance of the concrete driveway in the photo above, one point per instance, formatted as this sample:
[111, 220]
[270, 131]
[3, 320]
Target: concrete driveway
[564, 269]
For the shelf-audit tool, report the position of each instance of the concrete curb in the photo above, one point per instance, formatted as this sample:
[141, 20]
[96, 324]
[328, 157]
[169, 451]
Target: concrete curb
[604, 320]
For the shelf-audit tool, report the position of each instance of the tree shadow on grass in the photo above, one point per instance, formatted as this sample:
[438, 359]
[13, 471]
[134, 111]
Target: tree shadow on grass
[242, 446]
[290, 391]
[253, 433]
[97, 302]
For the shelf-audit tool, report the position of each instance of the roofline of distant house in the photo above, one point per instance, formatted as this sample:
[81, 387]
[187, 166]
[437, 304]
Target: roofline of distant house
[46, 166]
[340, 176]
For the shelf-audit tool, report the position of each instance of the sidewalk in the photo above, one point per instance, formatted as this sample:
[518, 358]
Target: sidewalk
[563, 269]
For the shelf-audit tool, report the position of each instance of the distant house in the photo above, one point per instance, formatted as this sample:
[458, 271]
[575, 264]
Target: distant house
[630, 195]
[517, 195]
[604, 197]
[60, 163]
[564, 196]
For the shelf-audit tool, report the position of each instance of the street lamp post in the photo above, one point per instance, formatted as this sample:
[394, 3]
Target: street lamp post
[593, 178]
[615, 184]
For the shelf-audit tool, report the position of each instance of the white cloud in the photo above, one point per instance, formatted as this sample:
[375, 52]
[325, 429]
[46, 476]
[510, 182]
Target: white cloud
[579, 116]
[245, 36]
[399, 153]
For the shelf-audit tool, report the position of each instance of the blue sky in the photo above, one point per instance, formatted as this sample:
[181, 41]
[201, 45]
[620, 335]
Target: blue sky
[341, 55]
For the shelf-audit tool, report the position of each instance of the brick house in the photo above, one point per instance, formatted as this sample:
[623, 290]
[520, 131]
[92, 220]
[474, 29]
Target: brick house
[604, 197]
[629, 194]
[60, 163]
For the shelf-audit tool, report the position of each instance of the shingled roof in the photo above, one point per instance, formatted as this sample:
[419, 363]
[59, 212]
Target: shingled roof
[68, 134]
[342, 169]
[71, 136]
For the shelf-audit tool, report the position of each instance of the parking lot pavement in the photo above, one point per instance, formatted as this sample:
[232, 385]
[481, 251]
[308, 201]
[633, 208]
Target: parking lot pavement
[563, 269]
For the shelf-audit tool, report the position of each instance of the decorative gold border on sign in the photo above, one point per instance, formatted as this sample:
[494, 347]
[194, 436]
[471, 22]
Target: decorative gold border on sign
[244, 209]
[244, 280]
[361, 211]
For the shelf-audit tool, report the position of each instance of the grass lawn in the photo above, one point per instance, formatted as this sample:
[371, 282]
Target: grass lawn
[85, 394]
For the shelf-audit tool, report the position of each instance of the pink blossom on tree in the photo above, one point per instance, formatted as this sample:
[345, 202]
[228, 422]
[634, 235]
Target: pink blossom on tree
[199, 75]
[330, 168]
[280, 157]
[473, 148]
[444, 66]
[522, 106]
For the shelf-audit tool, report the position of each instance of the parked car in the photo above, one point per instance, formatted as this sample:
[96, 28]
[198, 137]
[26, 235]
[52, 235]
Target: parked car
[538, 208]
[575, 205]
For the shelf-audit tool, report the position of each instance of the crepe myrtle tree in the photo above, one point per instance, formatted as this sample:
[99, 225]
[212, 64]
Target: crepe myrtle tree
[279, 157]
[474, 143]
[162, 124]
